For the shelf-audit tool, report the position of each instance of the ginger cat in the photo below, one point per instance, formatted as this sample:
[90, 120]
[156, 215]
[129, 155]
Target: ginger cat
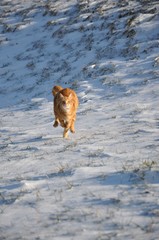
[65, 107]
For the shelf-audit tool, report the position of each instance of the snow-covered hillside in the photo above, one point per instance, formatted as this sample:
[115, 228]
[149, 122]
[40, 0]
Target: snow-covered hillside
[102, 183]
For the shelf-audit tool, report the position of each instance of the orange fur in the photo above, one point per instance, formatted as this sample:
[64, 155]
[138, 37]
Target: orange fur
[65, 107]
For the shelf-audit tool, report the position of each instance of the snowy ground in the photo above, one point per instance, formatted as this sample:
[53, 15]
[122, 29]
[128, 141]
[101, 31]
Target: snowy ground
[102, 183]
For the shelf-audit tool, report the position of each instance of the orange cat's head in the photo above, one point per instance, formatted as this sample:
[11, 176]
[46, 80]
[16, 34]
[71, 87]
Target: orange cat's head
[65, 96]
[56, 89]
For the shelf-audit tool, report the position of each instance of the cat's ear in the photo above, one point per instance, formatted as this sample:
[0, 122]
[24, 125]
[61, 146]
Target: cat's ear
[70, 95]
[61, 96]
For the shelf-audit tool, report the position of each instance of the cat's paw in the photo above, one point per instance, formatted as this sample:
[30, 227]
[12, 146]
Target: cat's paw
[72, 130]
[62, 124]
[55, 124]
[65, 135]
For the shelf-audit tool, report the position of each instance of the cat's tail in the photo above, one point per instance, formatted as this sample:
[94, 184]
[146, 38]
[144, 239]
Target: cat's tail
[56, 89]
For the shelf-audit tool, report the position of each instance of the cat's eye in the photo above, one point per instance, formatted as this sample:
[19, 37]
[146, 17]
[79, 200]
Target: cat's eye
[63, 102]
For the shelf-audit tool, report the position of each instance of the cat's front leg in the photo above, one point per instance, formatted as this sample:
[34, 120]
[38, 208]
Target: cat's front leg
[56, 123]
[66, 129]
[72, 127]
[65, 132]
[62, 123]
[67, 124]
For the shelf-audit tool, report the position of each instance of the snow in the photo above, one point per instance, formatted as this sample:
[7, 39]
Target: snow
[103, 182]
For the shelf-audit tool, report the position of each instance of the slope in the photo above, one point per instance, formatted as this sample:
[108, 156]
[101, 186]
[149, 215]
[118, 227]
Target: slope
[103, 182]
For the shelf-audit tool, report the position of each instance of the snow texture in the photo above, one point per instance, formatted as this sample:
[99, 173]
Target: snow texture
[103, 182]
